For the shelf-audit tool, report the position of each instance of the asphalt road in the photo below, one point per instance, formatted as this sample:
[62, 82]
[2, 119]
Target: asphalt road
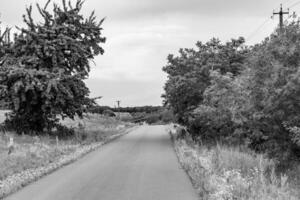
[141, 165]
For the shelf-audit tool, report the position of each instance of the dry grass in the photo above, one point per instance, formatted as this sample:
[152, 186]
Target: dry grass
[33, 152]
[94, 127]
[224, 173]
[30, 155]
[34, 157]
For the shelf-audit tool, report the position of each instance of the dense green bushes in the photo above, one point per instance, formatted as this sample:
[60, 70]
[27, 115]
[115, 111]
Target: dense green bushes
[239, 94]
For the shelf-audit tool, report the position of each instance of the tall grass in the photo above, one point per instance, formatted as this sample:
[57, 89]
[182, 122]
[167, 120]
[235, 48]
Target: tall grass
[37, 151]
[94, 127]
[227, 173]
[30, 152]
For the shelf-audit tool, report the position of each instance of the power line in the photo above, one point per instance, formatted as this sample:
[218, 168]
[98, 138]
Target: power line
[288, 1]
[280, 13]
[261, 26]
[258, 29]
[294, 4]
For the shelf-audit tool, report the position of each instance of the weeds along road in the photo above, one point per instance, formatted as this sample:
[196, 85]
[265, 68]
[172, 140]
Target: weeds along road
[141, 165]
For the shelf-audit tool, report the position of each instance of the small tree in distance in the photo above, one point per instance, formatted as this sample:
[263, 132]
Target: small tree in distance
[42, 73]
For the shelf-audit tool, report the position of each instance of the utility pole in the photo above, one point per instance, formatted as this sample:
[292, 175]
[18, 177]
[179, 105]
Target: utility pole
[118, 102]
[281, 13]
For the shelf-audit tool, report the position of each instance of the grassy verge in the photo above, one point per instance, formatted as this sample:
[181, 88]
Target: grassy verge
[225, 173]
[34, 157]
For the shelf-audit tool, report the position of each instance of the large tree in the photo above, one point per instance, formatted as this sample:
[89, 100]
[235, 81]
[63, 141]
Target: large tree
[258, 105]
[189, 73]
[274, 84]
[42, 73]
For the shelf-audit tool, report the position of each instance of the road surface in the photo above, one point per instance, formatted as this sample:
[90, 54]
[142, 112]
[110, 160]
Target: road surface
[138, 166]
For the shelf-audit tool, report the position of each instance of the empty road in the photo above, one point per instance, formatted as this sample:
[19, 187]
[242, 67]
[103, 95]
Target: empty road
[141, 165]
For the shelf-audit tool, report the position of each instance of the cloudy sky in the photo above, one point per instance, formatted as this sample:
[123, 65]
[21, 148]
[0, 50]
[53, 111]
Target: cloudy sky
[141, 33]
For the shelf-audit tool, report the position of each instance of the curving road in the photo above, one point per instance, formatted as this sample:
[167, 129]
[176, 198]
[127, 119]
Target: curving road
[138, 166]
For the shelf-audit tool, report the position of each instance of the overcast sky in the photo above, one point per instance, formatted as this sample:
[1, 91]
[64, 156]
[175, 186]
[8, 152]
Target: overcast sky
[141, 33]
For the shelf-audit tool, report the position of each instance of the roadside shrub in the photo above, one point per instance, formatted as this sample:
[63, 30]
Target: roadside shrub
[167, 116]
[63, 132]
[109, 113]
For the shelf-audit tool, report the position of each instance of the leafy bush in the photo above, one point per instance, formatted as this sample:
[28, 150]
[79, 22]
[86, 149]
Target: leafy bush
[167, 116]
[109, 113]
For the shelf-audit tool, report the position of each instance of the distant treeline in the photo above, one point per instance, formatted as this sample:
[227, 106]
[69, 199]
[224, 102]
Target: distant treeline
[147, 109]
[149, 114]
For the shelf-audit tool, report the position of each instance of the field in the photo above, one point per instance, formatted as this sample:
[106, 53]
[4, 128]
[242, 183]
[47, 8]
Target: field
[34, 156]
[222, 172]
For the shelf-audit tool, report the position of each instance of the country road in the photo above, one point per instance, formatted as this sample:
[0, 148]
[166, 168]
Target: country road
[141, 165]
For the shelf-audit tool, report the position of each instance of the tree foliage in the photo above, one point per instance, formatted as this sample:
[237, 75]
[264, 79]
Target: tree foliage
[248, 95]
[43, 69]
[274, 77]
[189, 73]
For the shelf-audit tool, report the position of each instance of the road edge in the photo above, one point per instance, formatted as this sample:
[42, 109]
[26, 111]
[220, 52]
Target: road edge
[173, 132]
[18, 181]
